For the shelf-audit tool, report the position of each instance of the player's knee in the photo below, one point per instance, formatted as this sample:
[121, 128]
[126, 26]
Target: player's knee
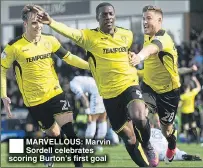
[54, 131]
[193, 125]
[136, 110]
[186, 127]
[167, 130]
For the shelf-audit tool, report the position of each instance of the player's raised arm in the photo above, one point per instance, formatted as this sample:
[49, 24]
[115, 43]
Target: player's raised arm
[72, 33]
[67, 56]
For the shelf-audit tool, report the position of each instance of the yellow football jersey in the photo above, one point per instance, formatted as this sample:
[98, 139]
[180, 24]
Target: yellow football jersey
[107, 56]
[161, 70]
[188, 101]
[34, 67]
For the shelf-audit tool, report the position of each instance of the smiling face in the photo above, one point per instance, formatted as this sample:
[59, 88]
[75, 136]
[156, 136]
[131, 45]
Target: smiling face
[32, 26]
[106, 18]
[152, 21]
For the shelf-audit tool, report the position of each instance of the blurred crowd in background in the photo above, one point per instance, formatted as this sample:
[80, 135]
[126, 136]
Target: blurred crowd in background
[190, 53]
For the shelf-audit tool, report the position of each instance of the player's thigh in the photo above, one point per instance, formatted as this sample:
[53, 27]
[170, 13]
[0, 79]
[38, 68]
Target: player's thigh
[43, 117]
[60, 108]
[134, 103]
[149, 97]
[167, 105]
[116, 112]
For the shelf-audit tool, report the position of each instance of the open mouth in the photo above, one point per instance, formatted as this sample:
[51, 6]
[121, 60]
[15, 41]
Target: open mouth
[108, 23]
[146, 27]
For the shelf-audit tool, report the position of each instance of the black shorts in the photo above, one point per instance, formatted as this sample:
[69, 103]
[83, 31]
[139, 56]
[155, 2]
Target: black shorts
[116, 108]
[187, 118]
[44, 113]
[164, 104]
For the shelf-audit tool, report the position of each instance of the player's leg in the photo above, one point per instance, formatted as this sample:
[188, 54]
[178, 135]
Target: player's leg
[102, 126]
[167, 105]
[186, 126]
[138, 114]
[101, 129]
[52, 132]
[91, 127]
[62, 112]
[117, 114]
[193, 126]
[48, 125]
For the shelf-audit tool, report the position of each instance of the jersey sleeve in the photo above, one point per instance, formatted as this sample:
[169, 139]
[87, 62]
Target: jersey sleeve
[160, 42]
[58, 49]
[80, 37]
[8, 56]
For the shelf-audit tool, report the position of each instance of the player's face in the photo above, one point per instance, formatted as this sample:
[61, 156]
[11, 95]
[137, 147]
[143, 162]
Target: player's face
[33, 27]
[151, 21]
[106, 18]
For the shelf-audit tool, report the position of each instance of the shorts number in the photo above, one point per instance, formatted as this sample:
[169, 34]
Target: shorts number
[139, 93]
[169, 117]
[65, 105]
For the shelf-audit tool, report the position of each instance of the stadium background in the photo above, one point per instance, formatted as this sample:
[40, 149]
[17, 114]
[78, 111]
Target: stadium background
[182, 19]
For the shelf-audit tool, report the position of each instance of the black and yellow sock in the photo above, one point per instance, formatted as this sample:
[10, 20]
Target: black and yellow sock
[135, 151]
[142, 131]
[68, 130]
[172, 139]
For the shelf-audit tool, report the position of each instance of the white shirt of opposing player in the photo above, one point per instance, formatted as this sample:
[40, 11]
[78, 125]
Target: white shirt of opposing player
[160, 144]
[84, 84]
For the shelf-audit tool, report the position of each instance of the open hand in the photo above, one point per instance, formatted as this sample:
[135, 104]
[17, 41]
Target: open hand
[42, 17]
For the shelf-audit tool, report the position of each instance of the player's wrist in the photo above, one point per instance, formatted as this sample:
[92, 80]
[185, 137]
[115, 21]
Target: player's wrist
[142, 57]
[50, 21]
[87, 111]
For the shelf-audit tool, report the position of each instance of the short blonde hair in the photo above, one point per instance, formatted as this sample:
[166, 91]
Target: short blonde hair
[152, 8]
[29, 9]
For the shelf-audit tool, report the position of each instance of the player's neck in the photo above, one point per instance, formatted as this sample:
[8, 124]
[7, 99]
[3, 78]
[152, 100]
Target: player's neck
[155, 32]
[108, 31]
[32, 39]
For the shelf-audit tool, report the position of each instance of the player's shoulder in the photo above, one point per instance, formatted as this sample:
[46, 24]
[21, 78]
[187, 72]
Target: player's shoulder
[48, 36]
[15, 40]
[124, 30]
[95, 30]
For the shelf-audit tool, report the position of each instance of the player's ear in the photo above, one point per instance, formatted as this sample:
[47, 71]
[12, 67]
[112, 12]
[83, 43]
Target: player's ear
[160, 19]
[25, 24]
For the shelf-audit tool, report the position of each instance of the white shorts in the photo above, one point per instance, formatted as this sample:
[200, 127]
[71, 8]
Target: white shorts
[96, 105]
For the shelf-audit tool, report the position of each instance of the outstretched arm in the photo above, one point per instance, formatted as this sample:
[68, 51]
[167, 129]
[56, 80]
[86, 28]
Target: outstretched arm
[185, 70]
[76, 61]
[74, 34]
[151, 49]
